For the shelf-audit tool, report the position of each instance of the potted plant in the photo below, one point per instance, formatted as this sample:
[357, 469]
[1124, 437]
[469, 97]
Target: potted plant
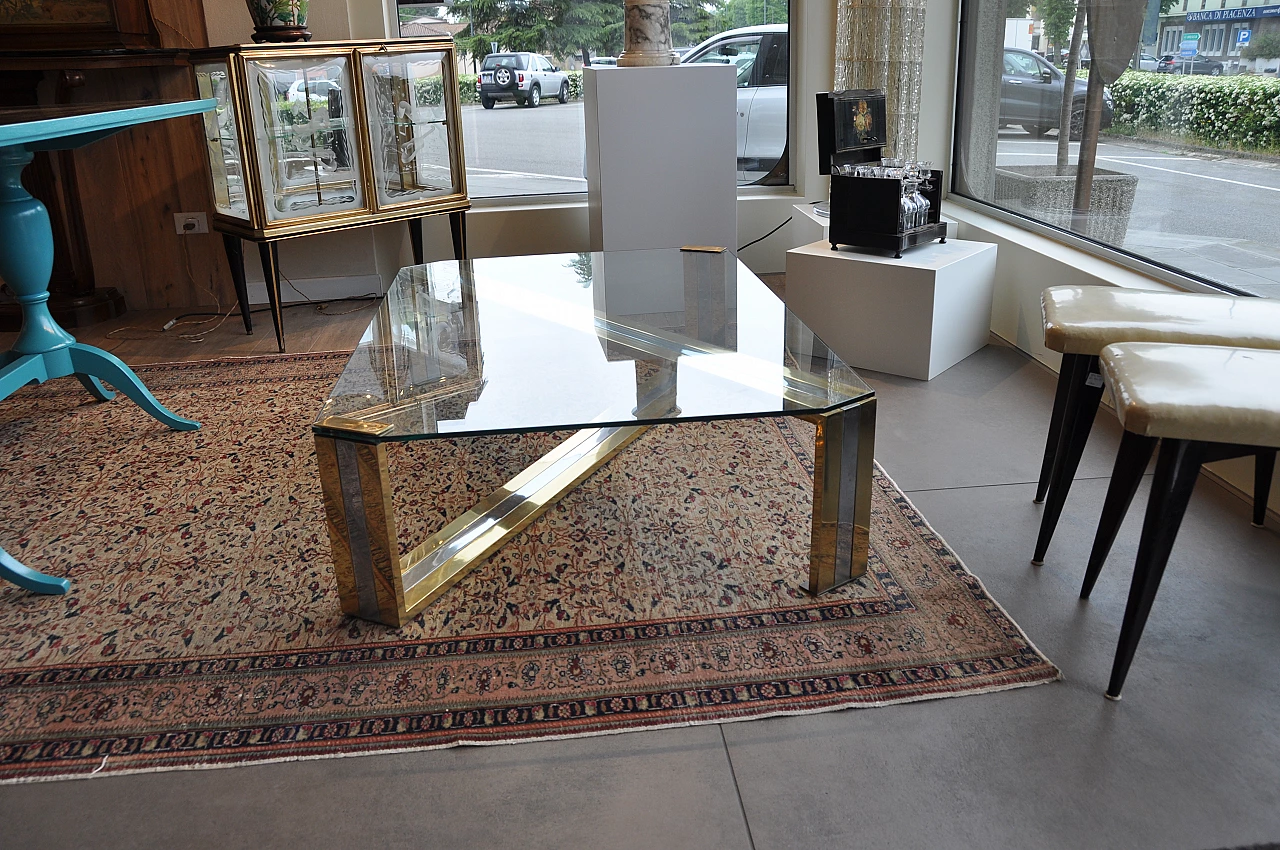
[279, 20]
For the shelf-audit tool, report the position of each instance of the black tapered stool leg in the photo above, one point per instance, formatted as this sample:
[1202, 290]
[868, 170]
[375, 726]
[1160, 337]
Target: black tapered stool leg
[271, 271]
[1079, 410]
[415, 239]
[1177, 468]
[1131, 463]
[458, 227]
[1055, 430]
[235, 258]
[1264, 466]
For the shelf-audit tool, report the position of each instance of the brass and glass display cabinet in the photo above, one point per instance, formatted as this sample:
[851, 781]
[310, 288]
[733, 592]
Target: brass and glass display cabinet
[323, 136]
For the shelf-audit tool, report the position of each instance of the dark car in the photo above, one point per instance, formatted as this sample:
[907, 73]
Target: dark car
[1031, 95]
[1198, 64]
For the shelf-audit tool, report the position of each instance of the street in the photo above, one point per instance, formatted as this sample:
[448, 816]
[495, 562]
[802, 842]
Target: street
[513, 150]
[1211, 214]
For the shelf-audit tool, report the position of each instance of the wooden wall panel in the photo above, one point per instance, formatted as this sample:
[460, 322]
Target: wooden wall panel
[133, 183]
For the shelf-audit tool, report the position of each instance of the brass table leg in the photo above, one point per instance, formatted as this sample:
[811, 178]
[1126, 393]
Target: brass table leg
[374, 583]
[843, 469]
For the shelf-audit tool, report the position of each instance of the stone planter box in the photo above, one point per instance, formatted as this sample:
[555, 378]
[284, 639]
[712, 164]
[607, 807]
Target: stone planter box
[1040, 192]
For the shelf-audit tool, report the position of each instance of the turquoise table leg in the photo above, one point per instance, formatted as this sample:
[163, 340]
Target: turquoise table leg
[43, 349]
[28, 579]
[95, 387]
[95, 363]
[20, 372]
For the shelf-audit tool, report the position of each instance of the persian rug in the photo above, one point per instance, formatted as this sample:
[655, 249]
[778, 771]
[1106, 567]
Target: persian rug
[203, 627]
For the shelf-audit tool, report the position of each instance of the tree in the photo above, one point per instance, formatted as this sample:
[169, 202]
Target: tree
[1018, 8]
[1265, 46]
[1059, 16]
[748, 13]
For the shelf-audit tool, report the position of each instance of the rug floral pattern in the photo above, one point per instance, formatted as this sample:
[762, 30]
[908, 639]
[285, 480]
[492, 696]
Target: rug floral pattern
[203, 625]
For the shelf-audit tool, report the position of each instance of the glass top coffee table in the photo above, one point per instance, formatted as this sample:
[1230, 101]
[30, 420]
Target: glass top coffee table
[607, 345]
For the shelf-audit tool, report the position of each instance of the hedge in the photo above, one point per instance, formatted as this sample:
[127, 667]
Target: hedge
[1241, 111]
[430, 90]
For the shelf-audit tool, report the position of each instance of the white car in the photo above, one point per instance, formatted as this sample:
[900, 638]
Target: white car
[1147, 62]
[297, 95]
[524, 78]
[763, 58]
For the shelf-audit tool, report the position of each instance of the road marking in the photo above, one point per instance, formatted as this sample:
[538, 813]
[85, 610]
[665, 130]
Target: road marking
[1191, 174]
[471, 169]
[1126, 161]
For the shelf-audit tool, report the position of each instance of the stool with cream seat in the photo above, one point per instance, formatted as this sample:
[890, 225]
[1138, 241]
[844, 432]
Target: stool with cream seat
[1201, 403]
[1080, 321]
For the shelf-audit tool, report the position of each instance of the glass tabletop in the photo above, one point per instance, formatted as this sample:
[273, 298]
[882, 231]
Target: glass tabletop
[569, 341]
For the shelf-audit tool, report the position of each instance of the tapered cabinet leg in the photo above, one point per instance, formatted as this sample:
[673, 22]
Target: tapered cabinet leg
[1131, 463]
[458, 227]
[1264, 467]
[1055, 430]
[842, 477]
[356, 486]
[271, 271]
[235, 258]
[1177, 468]
[415, 240]
[1079, 410]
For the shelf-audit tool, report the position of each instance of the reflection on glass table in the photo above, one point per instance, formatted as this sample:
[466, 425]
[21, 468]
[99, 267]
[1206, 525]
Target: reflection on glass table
[604, 344]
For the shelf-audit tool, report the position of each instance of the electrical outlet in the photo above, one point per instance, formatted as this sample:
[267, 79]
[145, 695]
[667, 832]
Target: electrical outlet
[188, 223]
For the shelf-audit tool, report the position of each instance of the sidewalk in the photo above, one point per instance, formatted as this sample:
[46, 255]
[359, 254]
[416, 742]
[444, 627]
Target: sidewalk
[1242, 264]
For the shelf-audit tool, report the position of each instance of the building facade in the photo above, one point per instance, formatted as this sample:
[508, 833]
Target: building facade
[1225, 27]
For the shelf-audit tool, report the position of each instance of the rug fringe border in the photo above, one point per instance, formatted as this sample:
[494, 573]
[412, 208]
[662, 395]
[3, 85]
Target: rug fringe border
[101, 773]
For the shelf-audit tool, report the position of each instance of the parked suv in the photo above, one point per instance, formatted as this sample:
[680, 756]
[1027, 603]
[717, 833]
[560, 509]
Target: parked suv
[521, 77]
[1031, 95]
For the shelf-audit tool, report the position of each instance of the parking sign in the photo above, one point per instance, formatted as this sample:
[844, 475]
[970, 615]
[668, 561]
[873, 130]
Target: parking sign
[1243, 38]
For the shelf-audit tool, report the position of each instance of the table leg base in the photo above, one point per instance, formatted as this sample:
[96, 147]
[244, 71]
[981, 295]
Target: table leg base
[373, 583]
[14, 571]
[91, 366]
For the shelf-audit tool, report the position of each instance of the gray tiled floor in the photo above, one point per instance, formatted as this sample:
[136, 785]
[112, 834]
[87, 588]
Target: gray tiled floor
[1189, 759]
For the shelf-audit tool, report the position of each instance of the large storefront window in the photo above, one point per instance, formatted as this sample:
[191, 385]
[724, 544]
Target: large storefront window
[1185, 149]
[521, 82]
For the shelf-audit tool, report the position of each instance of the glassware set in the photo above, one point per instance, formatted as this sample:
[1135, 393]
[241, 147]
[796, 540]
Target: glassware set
[913, 207]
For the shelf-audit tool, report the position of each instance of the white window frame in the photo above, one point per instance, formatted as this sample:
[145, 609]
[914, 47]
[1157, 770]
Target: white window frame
[1233, 46]
[1172, 38]
[1213, 37]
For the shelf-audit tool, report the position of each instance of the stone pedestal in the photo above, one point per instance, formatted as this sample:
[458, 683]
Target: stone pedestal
[1040, 192]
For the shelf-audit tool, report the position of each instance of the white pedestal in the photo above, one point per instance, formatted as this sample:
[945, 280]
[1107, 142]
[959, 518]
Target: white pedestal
[915, 317]
[661, 156]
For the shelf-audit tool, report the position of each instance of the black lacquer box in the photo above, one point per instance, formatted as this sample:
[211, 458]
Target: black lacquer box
[866, 211]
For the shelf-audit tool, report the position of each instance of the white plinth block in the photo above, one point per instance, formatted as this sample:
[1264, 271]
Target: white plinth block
[915, 317]
[661, 156]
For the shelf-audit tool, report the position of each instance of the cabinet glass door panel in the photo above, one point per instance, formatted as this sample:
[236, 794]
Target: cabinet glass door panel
[307, 137]
[222, 141]
[408, 126]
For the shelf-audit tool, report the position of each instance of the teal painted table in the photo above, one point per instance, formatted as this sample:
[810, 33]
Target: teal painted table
[43, 349]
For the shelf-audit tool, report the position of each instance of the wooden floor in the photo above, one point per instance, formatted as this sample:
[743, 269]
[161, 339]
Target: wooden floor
[137, 336]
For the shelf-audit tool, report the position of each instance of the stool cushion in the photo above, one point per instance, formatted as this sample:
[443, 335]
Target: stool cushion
[1195, 392]
[1086, 319]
